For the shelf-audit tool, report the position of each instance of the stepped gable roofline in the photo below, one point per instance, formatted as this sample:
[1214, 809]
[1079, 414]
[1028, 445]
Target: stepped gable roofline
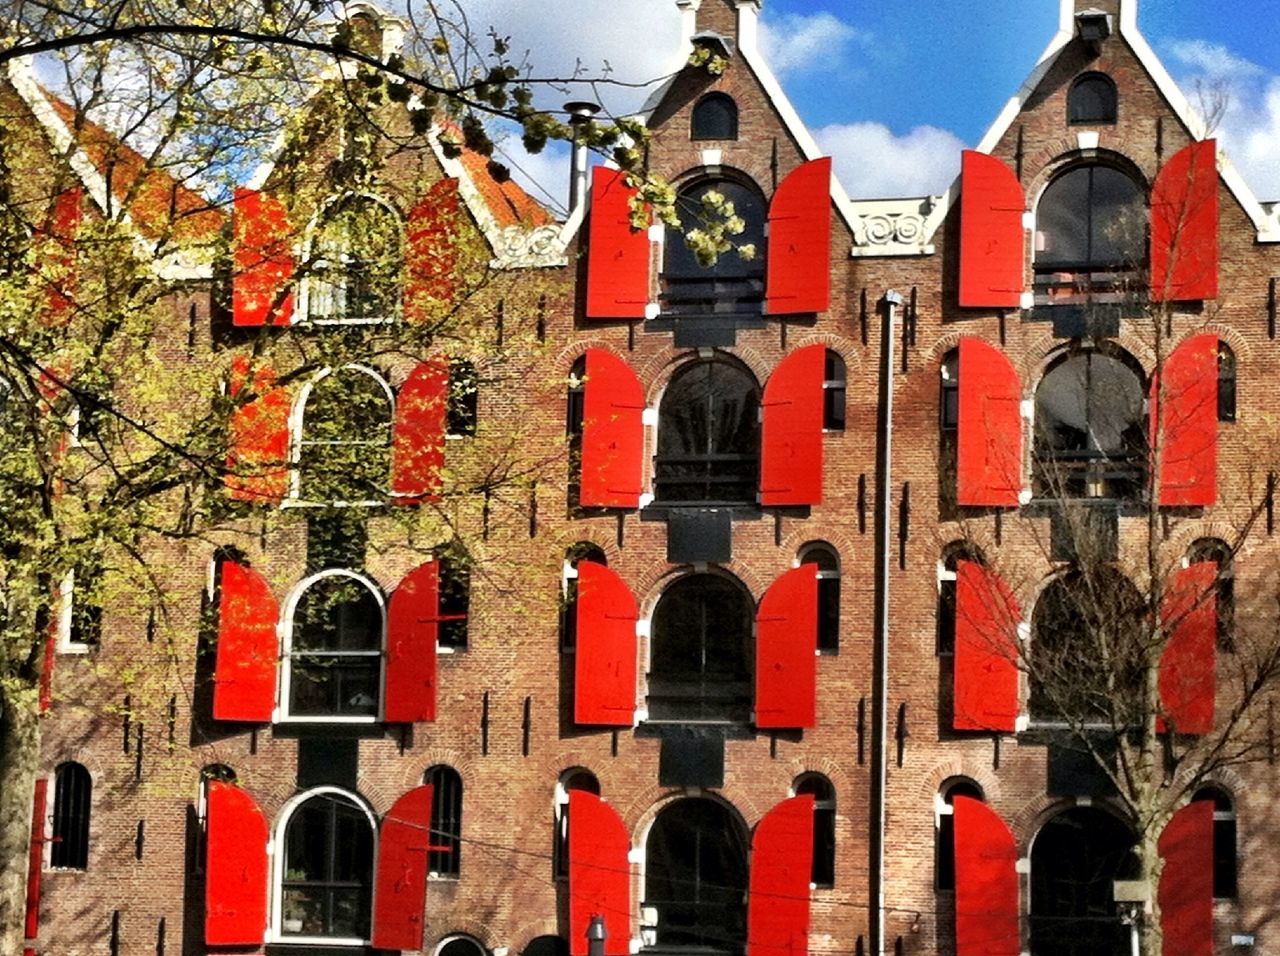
[1265, 220]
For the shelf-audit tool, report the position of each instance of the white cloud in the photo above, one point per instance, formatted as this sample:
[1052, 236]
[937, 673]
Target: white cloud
[796, 42]
[872, 162]
[1246, 100]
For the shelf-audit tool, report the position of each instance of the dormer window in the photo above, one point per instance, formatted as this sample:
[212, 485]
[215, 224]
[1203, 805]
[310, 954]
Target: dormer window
[1092, 99]
[715, 116]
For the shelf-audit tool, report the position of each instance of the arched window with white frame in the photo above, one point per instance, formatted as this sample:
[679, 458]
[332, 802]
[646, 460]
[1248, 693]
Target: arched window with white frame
[576, 778]
[333, 649]
[823, 871]
[324, 852]
[342, 447]
[828, 561]
[356, 257]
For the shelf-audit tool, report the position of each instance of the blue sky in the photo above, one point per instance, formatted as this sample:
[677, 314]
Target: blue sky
[893, 89]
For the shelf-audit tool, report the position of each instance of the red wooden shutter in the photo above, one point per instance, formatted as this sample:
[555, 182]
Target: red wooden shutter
[35, 857]
[612, 433]
[1188, 666]
[244, 685]
[989, 439]
[262, 260]
[1186, 882]
[786, 650]
[992, 246]
[1184, 225]
[791, 432]
[258, 443]
[400, 890]
[798, 277]
[599, 874]
[617, 255]
[417, 442]
[781, 864]
[1188, 423]
[59, 254]
[413, 625]
[986, 656]
[604, 669]
[986, 882]
[431, 254]
[235, 908]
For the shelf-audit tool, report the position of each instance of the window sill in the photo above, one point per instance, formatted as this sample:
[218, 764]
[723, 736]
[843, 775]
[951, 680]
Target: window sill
[76, 650]
[391, 320]
[278, 939]
[443, 878]
[327, 719]
[307, 503]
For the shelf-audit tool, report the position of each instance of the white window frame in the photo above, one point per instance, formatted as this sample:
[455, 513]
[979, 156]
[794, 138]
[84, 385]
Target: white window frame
[315, 286]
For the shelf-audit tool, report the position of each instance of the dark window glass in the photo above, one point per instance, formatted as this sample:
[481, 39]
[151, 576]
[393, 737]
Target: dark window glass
[823, 872]
[344, 452]
[575, 410]
[581, 551]
[948, 424]
[952, 555]
[696, 877]
[1224, 841]
[715, 117]
[709, 436]
[733, 285]
[462, 946]
[455, 602]
[833, 393]
[1226, 383]
[828, 562]
[1092, 99]
[1091, 218]
[355, 263]
[328, 869]
[1090, 430]
[700, 663]
[464, 398]
[1088, 651]
[445, 856]
[944, 867]
[72, 793]
[571, 780]
[547, 946]
[336, 652]
[1216, 551]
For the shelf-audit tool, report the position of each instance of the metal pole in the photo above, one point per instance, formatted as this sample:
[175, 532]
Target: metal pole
[880, 665]
[596, 935]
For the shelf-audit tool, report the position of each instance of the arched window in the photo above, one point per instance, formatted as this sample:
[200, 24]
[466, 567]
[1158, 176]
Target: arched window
[570, 780]
[1224, 840]
[455, 601]
[1088, 652]
[344, 445]
[1226, 383]
[1092, 99]
[464, 399]
[1090, 427]
[834, 388]
[948, 426]
[952, 555]
[461, 946]
[326, 875]
[944, 859]
[356, 255]
[1075, 860]
[1091, 226]
[823, 872]
[334, 653]
[575, 414]
[734, 284]
[445, 857]
[579, 551]
[1216, 551]
[696, 877]
[709, 436]
[715, 116]
[700, 651]
[828, 562]
[72, 798]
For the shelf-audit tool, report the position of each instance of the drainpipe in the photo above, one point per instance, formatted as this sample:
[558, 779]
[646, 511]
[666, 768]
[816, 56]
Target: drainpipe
[890, 304]
[580, 114]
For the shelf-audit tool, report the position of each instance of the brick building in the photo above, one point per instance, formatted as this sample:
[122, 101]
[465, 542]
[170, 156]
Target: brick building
[760, 687]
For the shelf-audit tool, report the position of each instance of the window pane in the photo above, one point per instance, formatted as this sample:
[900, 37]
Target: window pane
[709, 436]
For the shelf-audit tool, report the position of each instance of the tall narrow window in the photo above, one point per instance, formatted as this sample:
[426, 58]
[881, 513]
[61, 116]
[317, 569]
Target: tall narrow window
[1092, 99]
[335, 649]
[464, 398]
[72, 796]
[356, 257]
[952, 554]
[823, 873]
[570, 780]
[80, 621]
[1226, 383]
[1216, 551]
[828, 562]
[580, 551]
[445, 856]
[326, 881]
[944, 859]
[833, 392]
[455, 602]
[733, 285]
[575, 413]
[1224, 841]
[344, 446]
[948, 426]
[715, 116]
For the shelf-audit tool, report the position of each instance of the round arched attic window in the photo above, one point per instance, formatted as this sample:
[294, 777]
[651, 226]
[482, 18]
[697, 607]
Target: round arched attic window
[1092, 99]
[715, 116]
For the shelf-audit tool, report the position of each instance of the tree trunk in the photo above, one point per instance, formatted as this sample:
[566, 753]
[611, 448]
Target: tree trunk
[19, 757]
